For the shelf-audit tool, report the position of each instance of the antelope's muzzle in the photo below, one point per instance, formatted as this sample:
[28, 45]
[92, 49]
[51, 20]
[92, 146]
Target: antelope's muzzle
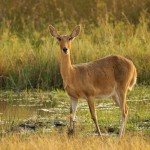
[65, 50]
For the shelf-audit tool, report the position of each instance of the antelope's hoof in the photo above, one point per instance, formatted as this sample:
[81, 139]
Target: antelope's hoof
[70, 131]
[99, 133]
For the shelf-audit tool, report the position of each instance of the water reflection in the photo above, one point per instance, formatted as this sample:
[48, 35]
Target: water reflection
[47, 109]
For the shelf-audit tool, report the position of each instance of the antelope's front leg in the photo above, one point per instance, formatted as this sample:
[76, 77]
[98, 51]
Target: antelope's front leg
[73, 108]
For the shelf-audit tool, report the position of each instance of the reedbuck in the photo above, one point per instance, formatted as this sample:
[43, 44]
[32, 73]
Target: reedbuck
[110, 76]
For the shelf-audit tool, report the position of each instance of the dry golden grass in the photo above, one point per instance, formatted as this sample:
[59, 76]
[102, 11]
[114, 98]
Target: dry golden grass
[33, 61]
[63, 142]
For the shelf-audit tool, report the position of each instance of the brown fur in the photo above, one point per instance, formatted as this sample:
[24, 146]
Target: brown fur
[99, 78]
[109, 76]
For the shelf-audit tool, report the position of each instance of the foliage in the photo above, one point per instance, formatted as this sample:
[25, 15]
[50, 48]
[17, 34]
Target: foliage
[30, 56]
[32, 60]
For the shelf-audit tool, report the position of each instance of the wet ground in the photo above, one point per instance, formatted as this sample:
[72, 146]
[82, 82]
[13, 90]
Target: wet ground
[38, 110]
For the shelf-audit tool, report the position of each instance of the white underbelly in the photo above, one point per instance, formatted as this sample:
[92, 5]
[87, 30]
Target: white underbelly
[105, 95]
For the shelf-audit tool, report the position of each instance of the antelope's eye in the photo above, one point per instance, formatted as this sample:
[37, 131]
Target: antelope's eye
[59, 39]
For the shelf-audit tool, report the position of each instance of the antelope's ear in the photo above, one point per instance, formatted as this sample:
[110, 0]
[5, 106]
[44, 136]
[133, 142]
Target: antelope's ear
[75, 32]
[54, 32]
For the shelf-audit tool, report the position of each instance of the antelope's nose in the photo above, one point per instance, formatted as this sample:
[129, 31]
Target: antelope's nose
[65, 50]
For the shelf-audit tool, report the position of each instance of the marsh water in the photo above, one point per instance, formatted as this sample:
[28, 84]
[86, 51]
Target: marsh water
[36, 110]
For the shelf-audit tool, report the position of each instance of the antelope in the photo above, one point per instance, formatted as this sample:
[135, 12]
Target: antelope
[111, 76]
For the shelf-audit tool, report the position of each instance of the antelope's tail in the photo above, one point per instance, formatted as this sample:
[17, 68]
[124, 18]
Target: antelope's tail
[134, 79]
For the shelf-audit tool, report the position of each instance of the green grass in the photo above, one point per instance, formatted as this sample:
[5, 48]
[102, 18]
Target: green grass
[30, 56]
[25, 106]
[29, 71]
[32, 60]
[30, 14]
[49, 137]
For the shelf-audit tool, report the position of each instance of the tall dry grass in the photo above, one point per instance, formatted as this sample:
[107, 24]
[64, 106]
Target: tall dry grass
[63, 142]
[30, 14]
[29, 57]
[31, 60]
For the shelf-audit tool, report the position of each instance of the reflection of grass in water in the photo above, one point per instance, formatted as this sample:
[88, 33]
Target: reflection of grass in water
[12, 115]
[58, 104]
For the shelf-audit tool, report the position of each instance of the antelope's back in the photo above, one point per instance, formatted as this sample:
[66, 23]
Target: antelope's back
[104, 73]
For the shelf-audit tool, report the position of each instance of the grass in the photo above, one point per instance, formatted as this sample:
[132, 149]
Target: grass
[32, 60]
[29, 65]
[31, 14]
[46, 136]
[62, 141]
[29, 105]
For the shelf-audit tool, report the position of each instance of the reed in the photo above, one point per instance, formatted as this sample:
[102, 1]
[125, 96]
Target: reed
[29, 56]
[32, 60]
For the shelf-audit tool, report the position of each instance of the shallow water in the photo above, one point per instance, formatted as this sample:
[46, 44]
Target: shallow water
[52, 108]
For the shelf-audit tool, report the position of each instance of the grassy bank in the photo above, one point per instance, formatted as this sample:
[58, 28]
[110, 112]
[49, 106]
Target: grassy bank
[31, 60]
[62, 141]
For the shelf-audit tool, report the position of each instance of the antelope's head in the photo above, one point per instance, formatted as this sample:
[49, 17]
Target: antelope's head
[65, 40]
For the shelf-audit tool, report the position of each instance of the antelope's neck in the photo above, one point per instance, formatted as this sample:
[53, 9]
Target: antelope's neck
[66, 68]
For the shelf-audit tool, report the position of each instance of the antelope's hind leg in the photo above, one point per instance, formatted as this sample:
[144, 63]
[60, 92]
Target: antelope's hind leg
[120, 99]
[124, 120]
